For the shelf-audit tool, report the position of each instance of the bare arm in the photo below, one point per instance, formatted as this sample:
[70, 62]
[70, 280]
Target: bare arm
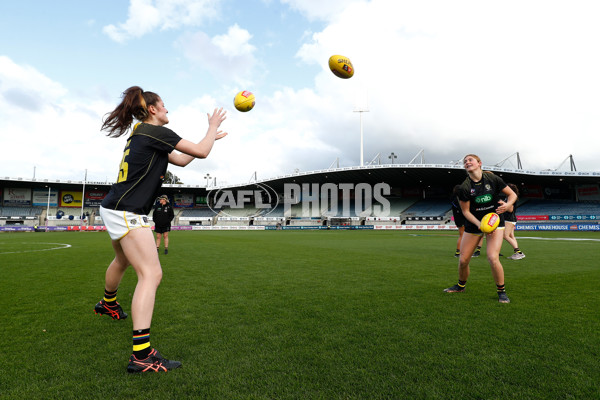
[190, 151]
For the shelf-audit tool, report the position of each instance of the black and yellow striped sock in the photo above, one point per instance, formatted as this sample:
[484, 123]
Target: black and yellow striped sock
[110, 297]
[457, 252]
[141, 343]
[462, 284]
[500, 288]
[517, 250]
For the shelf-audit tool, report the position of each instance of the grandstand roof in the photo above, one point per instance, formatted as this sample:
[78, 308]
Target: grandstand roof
[446, 175]
[396, 175]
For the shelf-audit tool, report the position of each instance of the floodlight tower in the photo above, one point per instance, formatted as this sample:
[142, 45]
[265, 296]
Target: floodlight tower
[361, 110]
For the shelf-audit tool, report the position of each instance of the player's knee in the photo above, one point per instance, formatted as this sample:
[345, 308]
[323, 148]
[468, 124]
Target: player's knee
[157, 276]
[152, 276]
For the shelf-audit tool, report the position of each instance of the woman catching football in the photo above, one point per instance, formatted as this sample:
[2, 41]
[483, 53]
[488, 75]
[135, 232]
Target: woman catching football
[479, 195]
[124, 210]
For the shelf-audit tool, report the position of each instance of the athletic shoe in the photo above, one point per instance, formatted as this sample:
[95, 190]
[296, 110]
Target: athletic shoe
[503, 298]
[477, 253]
[517, 256]
[166, 251]
[154, 363]
[115, 312]
[454, 289]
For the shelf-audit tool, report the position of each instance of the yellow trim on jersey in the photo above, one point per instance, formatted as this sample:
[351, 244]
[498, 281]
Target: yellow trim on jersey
[155, 138]
[138, 181]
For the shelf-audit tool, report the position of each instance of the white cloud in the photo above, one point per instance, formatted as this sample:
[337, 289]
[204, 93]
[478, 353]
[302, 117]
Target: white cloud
[319, 9]
[46, 127]
[235, 42]
[23, 87]
[230, 55]
[144, 16]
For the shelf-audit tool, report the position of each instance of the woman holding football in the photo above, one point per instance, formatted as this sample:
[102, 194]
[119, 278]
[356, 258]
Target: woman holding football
[479, 195]
[124, 210]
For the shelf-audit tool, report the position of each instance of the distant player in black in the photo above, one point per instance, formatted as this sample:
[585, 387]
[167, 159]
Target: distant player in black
[479, 195]
[459, 221]
[125, 209]
[510, 218]
[162, 216]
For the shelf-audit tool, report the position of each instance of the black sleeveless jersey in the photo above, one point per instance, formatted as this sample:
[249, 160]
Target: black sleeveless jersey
[484, 196]
[142, 170]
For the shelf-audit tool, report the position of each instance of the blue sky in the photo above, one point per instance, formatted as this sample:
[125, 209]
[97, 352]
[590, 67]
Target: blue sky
[449, 78]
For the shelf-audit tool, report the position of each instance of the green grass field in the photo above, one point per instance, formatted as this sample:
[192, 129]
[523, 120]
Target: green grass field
[305, 315]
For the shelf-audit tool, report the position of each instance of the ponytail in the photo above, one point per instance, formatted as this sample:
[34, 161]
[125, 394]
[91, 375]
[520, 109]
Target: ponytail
[134, 105]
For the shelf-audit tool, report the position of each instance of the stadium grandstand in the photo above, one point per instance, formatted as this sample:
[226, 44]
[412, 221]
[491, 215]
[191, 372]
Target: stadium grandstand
[392, 196]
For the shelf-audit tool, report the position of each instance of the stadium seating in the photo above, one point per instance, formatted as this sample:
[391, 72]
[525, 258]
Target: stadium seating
[198, 213]
[17, 211]
[545, 207]
[399, 205]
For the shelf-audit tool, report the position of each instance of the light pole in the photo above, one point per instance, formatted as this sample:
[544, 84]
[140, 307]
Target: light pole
[82, 202]
[48, 209]
[361, 111]
[392, 157]
[207, 177]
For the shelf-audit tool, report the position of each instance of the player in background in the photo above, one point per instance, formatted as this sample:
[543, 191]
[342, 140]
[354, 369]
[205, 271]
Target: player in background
[162, 216]
[148, 151]
[479, 195]
[459, 221]
[509, 232]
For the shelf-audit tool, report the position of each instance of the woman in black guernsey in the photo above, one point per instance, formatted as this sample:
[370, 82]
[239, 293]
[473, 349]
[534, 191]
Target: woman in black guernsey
[148, 151]
[479, 195]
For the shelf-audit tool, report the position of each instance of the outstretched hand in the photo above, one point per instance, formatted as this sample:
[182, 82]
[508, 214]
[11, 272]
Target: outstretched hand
[220, 135]
[217, 117]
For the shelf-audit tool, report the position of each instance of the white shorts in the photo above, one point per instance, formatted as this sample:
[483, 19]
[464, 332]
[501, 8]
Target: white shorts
[119, 223]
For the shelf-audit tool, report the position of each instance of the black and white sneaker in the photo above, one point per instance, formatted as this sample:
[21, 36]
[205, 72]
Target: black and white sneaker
[455, 289]
[503, 298]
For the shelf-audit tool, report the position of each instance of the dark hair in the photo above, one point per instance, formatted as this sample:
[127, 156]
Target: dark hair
[514, 188]
[134, 105]
[455, 190]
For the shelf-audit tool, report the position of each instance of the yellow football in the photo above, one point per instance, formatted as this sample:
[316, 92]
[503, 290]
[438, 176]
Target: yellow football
[341, 66]
[244, 101]
[489, 222]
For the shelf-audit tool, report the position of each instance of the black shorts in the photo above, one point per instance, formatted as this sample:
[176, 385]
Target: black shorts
[162, 228]
[459, 218]
[471, 228]
[510, 217]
